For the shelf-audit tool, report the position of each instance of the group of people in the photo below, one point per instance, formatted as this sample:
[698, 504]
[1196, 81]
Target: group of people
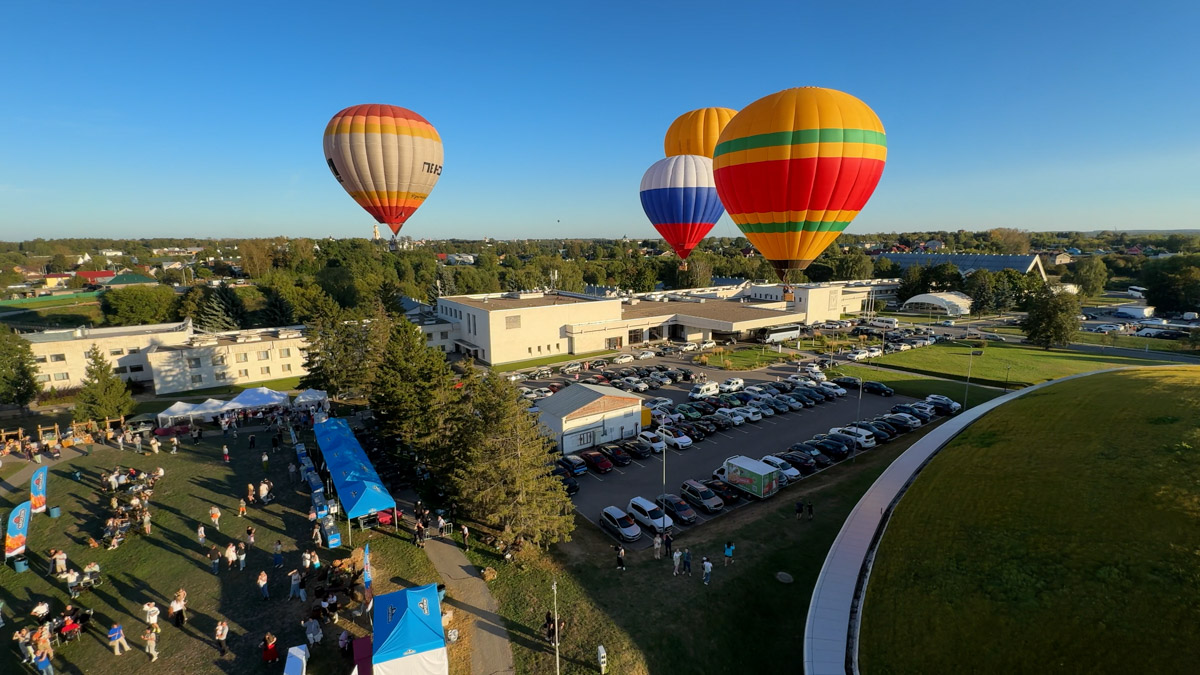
[129, 492]
[36, 645]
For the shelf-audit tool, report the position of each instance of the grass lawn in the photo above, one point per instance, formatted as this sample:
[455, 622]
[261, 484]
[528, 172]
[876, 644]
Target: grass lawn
[1122, 341]
[1106, 301]
[57, 301]
[1030, 365]
[747, 359]
[651, 622]
[1059, 532]
[282, 384]
[549, 360]
[66, 316]
[919, 386]
[152, 568]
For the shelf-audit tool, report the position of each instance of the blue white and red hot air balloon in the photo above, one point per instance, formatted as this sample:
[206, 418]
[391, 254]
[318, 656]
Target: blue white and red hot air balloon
[680, 198]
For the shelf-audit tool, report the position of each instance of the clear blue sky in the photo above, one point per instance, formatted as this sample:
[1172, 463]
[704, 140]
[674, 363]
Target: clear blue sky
[134, 119]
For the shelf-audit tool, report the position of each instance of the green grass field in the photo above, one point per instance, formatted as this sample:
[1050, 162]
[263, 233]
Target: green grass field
[1122, 341]
[54, 301]
[152, 568]
[747, 359]
[919, 386]
[65, 316]
[1058, 533]
[1029, 365]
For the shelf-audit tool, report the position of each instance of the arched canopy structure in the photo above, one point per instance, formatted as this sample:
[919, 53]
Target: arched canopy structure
[950, 304]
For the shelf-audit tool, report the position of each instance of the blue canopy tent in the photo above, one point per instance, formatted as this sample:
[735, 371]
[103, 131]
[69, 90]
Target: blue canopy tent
[408, 638]
[359, 489]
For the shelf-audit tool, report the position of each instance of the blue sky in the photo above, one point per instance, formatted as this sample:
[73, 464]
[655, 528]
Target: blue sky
[135, 119]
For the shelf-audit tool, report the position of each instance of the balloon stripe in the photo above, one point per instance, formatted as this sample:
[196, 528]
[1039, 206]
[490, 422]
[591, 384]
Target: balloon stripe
[806, 151]
[801, 137]
[793, 226]
[797, 185]
[356, 126]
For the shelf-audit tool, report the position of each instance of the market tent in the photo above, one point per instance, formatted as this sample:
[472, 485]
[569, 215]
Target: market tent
[260, 397]
[408, 638]
[310, 397]
[210, 408]
[177, 410]
[358, 486]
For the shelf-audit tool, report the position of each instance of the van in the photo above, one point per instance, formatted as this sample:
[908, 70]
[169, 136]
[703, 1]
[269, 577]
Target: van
[884, 322]
[704, 390]
[864, 438]
[731, 385]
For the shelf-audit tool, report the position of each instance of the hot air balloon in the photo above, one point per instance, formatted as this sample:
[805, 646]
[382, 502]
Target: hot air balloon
[794, 168]
[388, 158]
[695, 132]
[680, 198]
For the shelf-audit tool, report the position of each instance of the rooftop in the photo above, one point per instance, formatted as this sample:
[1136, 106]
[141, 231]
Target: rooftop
[717, 310]
[230, 339]
[70, 334]
[586, 399]
[503, 301]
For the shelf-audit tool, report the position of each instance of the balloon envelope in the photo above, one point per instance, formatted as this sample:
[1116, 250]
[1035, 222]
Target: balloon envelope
[388, 158]
[680, 198]
[695, 132]
[794, 168]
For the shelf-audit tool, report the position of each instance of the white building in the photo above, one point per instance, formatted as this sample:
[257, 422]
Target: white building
[583, 416]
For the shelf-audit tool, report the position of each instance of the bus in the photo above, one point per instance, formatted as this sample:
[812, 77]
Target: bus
[777, 334]
[1136, 292]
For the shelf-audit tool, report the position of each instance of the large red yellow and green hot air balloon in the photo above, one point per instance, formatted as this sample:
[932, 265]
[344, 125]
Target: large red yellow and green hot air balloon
[695, 132]
[388, 158]
[794, 168]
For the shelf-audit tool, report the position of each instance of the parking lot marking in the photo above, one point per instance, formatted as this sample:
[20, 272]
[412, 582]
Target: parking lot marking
[639, 463]
[596, 477]
[618, 471]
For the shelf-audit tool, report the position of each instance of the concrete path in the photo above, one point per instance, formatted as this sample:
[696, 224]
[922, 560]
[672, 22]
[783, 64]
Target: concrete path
[20, 480]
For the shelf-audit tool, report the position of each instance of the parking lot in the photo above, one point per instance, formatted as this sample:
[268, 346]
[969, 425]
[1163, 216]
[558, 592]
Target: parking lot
[644, 477]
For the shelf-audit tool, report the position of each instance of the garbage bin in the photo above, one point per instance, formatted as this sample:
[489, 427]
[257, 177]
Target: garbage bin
[20, 564]
[55, 511]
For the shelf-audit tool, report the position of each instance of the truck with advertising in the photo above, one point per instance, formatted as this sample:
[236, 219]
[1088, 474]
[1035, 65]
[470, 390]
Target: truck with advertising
[755, 478]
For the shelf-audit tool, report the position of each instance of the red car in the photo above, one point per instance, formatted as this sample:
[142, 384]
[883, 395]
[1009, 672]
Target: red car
[716, 403]
[596, 461]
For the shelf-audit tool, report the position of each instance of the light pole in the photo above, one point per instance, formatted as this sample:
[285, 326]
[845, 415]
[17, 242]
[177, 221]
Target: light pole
[554, 587]
[1007, 371]
[967, 388]
[857, 418]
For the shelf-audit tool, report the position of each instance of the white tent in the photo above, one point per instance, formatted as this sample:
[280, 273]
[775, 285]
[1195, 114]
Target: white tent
[178, 409]
[258, 397]
[311, 397]
[209, 409]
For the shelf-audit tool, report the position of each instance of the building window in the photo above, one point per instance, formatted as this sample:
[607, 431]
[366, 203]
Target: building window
[265, 370]
[136, 369]
[58, 358]
[429, 337]
[444, 335]
[62, 377]
[558, 346]
[120, 370]
[264, 355]
[511, 322]
[42, 378]
[193, 363]
[587, 438]
[529, 349]
[40, 358]
[197, 379]
[221, 376]
[287, 367]
[242, 358]
[285, 353]
[218, 360]
[134, 350]
[116, 352]
[243, 373]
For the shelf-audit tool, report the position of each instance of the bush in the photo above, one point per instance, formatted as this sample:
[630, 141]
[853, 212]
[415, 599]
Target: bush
[55, 396]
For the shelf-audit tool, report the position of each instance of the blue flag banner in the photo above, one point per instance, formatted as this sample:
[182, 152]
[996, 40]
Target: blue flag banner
[18, 530]
[367, 565]
[37, 490]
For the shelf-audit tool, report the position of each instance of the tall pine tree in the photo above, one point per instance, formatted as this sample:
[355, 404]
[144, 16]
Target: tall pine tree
[18, 371]
[277, 311]
[223, 310]
[103, 393]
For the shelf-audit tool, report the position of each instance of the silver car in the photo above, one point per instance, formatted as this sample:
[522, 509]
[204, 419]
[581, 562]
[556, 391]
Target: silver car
[701, 496]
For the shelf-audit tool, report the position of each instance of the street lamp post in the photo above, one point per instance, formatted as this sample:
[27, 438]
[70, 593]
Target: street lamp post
[857, 418]
[1007, 372]
[554, 587]
[967, 388]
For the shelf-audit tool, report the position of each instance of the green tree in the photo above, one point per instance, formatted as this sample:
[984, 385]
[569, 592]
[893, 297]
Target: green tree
[1009, 240]
[1173, 284]
[256, 257]
[981, 286]
[503, 481]
[103, 393]
[58, 264]
[912, 283]
[344, 354]
[77, 282]
[1193, 338]
[1091, 274]
[852, 265]
[137, 305]
[409, 374]
[1053, 318]
[886, 269]
[216, 314]
[171, 277]
[18, 371]
[277, 311]
[189, 304]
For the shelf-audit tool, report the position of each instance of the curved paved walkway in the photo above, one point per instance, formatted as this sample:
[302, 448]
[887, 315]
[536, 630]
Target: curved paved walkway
[831, 632]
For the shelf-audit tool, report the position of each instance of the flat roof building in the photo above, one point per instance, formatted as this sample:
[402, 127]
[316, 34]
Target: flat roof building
[969, 262]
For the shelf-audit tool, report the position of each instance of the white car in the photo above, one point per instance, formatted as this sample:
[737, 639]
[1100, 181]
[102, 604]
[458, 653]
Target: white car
[708, 344]
[792, 473]
[925, 407]
[865, 438]
[659, 402]
[762, 407]
[635, 384]
[649, 439]
[689, 347]
[858, 355]
[947, 322]
[874, 351]
[755, 389]
[902, 346]
[542, 392]
[944, 400]
[833, 388]
[649, 515]
[731, 415]
[812, 367]
[645, 355]
[748, 413]
[1112, 327]
[664, 416]
[802, 380]
[675, 438]
[831, 325]
[624, 358]
[817, 377]
[731, 385]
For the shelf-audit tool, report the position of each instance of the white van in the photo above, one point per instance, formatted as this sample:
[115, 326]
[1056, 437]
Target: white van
[731, 385]
[704, 390]
[884, 322]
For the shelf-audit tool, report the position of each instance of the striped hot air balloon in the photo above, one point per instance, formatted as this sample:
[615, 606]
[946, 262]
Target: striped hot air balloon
[696, 132]
[680, 198]
[794, 168]
[388, 158]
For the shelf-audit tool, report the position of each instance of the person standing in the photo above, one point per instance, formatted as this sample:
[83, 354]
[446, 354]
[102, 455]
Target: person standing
[252, 439]
[620, 557]
[178, 611]
[230, 556]
[265, 461]
[241, 508]
[729, 547]
[121, 442]
[220, 635]
[137, 443]
[278, 554]
[250, 493]
[441, 525]
[291, 472]
[262, 585]
[305, 560]
[809, 506]
[200, 535]
[707, 566]
[657, 547]
[241, 556]
[250, 536]
[687, 561]
[214, 558]
[116, 639]
[174, 445]
[667, 539]
[297, 590]
[678, 555]
[42, 661]
[419, 533]
[270, 652]
[799, 509]
[151, 640]
[466, 535]
[312, 631]
[225, 453]
[316, 534]
[215, 514]
[145, 522]
[151, 610]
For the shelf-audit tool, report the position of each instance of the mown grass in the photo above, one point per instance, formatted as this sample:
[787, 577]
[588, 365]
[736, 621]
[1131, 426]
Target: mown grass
[747, 359]
[919, 386]
[1058, 533]
[551, 360]
[1120, 341]
[1029, 364]
[65, 316]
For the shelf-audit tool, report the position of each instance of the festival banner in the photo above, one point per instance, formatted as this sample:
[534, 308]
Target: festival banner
[37, 490]
[18, 530]
[367, 565]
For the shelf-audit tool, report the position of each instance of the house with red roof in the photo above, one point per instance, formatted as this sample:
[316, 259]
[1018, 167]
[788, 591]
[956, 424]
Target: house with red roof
[96, 277]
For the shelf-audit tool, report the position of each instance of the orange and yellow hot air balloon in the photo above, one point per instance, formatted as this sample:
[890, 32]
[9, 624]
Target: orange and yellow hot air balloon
[794, 168]
[696, 132]
[388, 158]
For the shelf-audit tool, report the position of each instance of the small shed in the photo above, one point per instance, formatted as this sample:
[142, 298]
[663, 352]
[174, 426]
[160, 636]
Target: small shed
[584, 415]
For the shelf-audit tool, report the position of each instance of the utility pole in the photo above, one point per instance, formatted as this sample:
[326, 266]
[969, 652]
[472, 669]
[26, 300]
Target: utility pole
[554, 587]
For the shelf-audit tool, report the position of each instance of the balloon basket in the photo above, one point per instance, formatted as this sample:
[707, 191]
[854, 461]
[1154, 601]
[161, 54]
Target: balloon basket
[683, 266]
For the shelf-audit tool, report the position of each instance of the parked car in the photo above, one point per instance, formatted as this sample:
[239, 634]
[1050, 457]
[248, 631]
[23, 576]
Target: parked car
[832, 446]
[708, 344]
[846, 383]
[730, 415]
[800, 460]
[688, 411]
[649, 515]
[732, 384]
[616, 454]
[703, 424]
[716, 403]
[689, 347]
[824, 393]
[515, 377]
[645, 355]
[660, 402]
[621, 524]
[911, 410]
[749, 414]
[790, 472]
[623, 358]
[569, 483]
[542, 392]
[701, 496]
[913, 422]
[731, 400]
[938, 399]
[676, 508]
[574, 464]
[858, 355]
[819, 458]
[874, 352]
[663, 416]
[703, 408]
[864, 439]
[765, 409]
[692, 431]
[541, 373]
[635, 449]
[572, 367]
[756, 389]
[596, 461]
[879, 388]
[634, 384]
[651, 440]
[833, 389]
[785, 402]
[878, 433]
[798, 399]
[675, 438]
[725, 491]
[720, 423]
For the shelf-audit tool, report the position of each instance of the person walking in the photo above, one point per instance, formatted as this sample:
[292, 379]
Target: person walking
[809, 506]
[677, 558]
[220, 635]
[729, 547]
[41, 660]
[230, 557]
[250, 536]
[278, 552]
[116, 639]
[174, 445]
[297, 590]
[687, 561]
[800, 509]
[241, 508]
[151, 640]
[151, 611]
[667, 540]
[441, 526]
[265, 461]
[215, 514]
[200, 535]
[657, 547]
[466, 535]
[214, 558]
[707, 566]
[419, 533]
[620, 557]
[178, 611]
[252, 443]
[146, 522]
[291, 472]
[225, 453]
[241, 556]
[262, 585]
